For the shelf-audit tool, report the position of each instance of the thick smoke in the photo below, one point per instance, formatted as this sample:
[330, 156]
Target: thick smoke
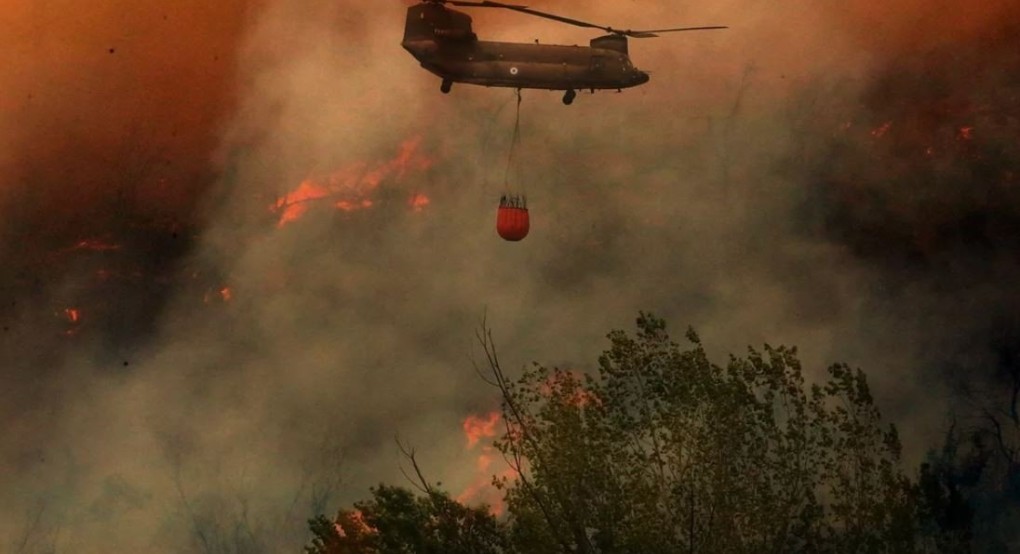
[917, 180]
[185, 374]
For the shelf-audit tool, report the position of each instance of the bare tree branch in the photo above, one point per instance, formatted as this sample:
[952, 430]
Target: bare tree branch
[422, 484]
[488, 343]
[196, 525]
[1007, 452]
[32, 525]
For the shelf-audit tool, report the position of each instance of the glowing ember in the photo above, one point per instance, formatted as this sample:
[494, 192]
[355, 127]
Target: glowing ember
[881, 130]
[965, 133]
[73, 317]
[223, 294]
[419, 201]
[95, 245]
[350, 188]
[348, 206]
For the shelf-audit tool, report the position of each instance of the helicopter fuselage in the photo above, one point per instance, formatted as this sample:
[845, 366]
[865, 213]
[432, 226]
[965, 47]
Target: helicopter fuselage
[522, 65]
[443, 41]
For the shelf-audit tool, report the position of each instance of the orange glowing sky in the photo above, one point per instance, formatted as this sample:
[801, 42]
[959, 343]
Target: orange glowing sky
[124, 98]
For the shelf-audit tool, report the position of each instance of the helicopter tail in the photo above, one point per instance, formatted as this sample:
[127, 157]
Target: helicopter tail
[429, 21]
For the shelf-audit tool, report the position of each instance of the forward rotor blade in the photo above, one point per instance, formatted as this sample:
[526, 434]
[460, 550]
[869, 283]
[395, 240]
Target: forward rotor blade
[638, 34]
[524, 9]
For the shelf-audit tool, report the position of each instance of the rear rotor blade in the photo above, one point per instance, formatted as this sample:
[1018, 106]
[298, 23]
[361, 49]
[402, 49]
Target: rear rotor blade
[576, 22]
[561, 19]
[678, 29]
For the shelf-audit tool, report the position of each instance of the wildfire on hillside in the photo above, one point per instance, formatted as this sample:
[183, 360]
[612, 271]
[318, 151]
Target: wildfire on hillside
[351, 188]
[929, 167]
[131, 261]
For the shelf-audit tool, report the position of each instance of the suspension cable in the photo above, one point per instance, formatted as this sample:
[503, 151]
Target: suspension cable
[513, 143]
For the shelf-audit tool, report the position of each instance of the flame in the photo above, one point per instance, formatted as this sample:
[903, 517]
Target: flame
[582, 399]
[476, 428]
[965, 133]
[350, 188]
[481, 489]
[73, 315]
[226, 294]
[356, 520]
[567, 386]
[293, 204]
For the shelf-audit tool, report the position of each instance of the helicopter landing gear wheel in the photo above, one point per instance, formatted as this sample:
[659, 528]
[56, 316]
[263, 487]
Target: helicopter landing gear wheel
[568, 98]
[446, 86]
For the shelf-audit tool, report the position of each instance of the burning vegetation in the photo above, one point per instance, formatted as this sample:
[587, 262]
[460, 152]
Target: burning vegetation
[124, 269]
[919, 182]
[677, 455]
[351, 188]
[931, 166]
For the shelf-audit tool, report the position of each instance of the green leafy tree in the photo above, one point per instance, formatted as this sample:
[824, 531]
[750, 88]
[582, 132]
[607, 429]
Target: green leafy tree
[660, 450]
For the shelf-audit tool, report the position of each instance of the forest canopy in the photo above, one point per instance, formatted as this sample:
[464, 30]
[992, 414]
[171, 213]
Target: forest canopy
[660, 450]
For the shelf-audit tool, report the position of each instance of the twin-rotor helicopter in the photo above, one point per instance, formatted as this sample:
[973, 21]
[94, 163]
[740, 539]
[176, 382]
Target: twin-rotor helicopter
[443, 41]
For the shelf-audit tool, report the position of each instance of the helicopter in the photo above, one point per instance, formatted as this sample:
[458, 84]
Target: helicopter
[443, 41]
